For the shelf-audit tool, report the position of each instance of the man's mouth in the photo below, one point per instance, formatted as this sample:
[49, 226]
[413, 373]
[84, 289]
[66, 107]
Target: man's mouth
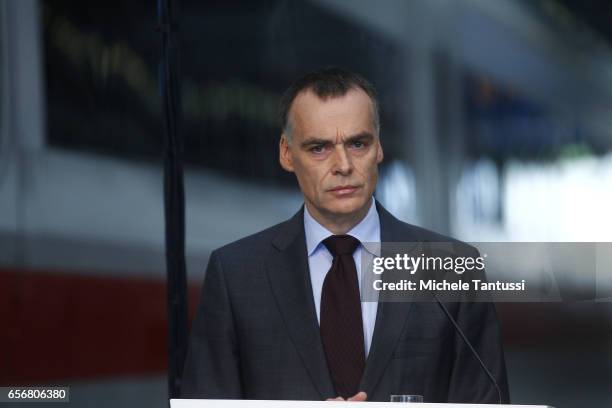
[343, 190]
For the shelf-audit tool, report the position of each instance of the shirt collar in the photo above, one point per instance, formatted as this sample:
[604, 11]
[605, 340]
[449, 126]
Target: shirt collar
[368, 230]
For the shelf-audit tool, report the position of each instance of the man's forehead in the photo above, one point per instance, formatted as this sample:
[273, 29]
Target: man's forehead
[308, 97]
[352, 110]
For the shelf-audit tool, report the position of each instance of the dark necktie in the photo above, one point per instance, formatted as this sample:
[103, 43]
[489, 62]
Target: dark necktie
[341, 320]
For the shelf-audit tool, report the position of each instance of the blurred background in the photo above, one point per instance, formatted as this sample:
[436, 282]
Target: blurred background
[496, 124]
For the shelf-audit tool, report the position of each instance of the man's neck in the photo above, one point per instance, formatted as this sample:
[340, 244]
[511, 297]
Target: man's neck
[338, 224]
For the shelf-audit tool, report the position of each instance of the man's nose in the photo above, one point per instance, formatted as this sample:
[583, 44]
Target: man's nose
[342, 161]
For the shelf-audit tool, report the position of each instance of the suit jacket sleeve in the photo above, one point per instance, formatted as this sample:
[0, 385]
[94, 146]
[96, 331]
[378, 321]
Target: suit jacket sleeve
[212, 364]
[469, 382]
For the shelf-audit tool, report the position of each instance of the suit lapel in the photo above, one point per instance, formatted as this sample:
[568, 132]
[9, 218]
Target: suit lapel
[287, 269]
[390, 317]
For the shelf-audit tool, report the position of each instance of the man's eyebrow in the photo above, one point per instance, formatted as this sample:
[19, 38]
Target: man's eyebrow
[311, 141]
[359, 137]
[314, 141]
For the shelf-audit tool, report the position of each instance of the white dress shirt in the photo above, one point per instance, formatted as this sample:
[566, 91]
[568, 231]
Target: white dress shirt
[320, 261]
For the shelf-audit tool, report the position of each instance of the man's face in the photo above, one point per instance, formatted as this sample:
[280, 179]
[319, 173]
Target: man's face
[334, 152]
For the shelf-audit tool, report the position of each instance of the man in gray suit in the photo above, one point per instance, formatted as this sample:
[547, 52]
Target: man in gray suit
[280, 315]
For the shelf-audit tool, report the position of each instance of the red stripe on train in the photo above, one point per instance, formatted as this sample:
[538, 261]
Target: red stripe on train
[59, 326]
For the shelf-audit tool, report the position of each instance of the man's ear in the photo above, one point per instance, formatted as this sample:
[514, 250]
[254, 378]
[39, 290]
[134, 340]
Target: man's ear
[380, 155]
[284, 153]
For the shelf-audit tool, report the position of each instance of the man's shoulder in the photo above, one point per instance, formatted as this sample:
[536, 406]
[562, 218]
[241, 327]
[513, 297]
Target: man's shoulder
[254, 244]
[405, 232]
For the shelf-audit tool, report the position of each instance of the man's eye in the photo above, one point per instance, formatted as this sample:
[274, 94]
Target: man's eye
[358, 145]
[317, 149]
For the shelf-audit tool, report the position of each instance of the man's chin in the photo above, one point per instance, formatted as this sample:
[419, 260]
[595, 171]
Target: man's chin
[347, 206]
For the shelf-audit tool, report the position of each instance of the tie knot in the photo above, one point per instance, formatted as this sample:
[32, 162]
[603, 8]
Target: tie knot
[341, 244]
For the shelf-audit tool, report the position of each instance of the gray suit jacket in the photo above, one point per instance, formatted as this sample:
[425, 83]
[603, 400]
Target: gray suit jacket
[256, 336]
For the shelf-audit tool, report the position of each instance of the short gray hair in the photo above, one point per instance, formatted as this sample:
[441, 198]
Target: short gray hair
[327, 83]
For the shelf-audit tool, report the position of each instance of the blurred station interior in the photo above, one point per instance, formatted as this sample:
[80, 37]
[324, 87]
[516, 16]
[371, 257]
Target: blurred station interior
[496, 125]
